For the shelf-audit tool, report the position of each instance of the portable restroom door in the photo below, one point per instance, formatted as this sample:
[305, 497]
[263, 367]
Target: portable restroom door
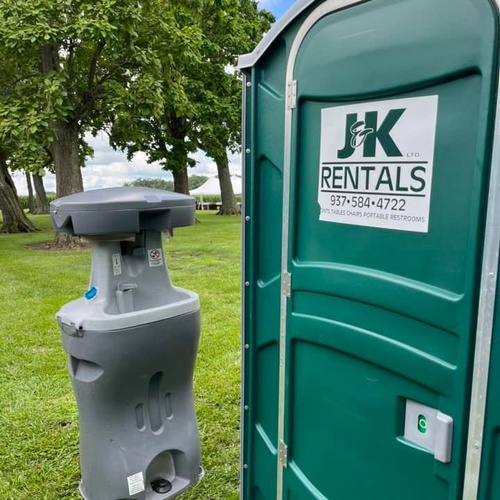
[388, 139]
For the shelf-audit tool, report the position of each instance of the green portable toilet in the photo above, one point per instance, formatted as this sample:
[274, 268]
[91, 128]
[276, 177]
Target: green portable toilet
[371, 242]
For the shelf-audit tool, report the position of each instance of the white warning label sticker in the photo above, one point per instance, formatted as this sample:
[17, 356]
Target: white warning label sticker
[155, 257]
[135, 483]
[376, 162]
[117, 263]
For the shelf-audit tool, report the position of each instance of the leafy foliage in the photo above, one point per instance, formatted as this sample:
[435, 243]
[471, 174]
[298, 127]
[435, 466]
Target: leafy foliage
[206, 114]
[156, 183]
[83, 62]
[215, 87]
[23, 200]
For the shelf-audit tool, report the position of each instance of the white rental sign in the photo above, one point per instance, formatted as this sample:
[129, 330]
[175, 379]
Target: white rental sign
[376, 163]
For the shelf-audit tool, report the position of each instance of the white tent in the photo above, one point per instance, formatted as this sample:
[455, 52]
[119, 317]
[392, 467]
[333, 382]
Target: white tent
[212, 187]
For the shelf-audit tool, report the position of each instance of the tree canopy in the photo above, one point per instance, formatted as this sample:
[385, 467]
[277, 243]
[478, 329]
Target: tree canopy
[208, 114]
[78, 64]
[154, 74]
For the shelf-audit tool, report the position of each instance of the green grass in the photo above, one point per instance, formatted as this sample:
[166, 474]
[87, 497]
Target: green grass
[38, 414]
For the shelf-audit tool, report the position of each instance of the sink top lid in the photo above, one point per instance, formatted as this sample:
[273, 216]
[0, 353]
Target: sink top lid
[121, 210]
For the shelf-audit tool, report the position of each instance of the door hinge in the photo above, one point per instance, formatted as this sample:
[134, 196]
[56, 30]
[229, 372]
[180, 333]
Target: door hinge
[283, 454]
[286, 284]
[291, 94]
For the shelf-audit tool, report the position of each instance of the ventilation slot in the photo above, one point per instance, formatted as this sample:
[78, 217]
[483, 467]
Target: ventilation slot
[154, 397]
[168, 405]
[139, 417]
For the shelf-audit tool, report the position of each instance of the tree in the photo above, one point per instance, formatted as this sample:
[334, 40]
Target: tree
[81, 63]
[207, 115]
[41, 201]
[14, 218]
[31, 198]
[167, 137]
[229, 33]
[37, 197]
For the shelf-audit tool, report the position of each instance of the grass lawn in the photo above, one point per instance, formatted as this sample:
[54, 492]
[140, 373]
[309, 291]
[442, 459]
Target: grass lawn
[38, 414]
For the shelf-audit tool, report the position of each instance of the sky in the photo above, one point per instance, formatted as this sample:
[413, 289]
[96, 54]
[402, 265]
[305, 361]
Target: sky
[109, 168]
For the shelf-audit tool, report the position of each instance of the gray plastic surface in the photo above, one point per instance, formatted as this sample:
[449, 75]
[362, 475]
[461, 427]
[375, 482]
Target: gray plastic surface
[130, 288]
[435, 436]
[131, 342]
[121, 211]
[135, 407]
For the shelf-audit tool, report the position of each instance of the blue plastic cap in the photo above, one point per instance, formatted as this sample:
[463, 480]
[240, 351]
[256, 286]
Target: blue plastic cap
[90, 293]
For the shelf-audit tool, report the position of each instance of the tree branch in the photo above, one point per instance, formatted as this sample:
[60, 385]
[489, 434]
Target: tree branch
[93, 64]
[71, 51]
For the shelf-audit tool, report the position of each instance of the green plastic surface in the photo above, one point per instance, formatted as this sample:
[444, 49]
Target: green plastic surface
[376, 316]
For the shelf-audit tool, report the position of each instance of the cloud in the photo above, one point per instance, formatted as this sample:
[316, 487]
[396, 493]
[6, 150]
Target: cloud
[111, 168]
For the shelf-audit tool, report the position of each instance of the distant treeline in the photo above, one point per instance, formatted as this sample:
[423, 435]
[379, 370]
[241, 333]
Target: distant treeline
[194, 181]
[23, 200]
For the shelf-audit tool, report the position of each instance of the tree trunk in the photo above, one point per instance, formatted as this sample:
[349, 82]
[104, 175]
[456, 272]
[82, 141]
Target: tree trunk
[229, 205]
[42, 204]
[178, 157]
[69, 180]
[14, 218]
[66, 160]
[31, 200]
[181, 182]
[64, 149]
